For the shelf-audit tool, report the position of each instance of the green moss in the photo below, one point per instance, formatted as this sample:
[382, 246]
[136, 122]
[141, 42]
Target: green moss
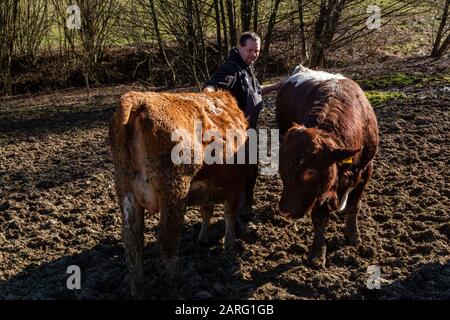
[380, 97]
[396, 80]
[400, 80]
[442, 78]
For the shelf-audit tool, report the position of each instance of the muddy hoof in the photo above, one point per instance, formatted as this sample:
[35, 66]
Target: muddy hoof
[246, 231]
[173, 270]
[351, 238]
[316, 263]
[317, 258]
[237, 248]
[137, 291]
[203, 243]
[138, 296]
[230, 244]
[245, 213]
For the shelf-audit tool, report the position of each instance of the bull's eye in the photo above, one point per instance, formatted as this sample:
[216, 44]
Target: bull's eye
[309, 174]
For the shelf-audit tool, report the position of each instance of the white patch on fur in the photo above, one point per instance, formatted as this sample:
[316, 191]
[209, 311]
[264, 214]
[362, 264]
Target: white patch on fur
[302, 74]
[344, 199]
[219, 106]
[145, 193]
[213, 104]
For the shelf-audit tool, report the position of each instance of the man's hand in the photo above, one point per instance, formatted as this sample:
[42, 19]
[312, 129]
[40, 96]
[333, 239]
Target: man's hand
[209, 89]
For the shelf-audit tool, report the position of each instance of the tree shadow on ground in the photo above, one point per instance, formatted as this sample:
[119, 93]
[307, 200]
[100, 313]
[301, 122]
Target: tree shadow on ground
[104, 273]
[430, 281]
[207, 273]
[23, 124]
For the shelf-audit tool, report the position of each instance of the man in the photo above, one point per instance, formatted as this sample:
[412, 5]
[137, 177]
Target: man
[237, 75]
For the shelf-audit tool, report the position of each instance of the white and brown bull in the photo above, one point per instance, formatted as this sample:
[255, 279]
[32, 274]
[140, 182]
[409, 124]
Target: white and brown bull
[147, 179]
[330, 138]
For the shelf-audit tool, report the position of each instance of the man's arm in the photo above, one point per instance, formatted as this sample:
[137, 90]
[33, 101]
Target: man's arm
[271, 87]
[224, 78]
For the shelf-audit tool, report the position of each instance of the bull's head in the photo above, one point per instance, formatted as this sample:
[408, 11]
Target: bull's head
[308, 170]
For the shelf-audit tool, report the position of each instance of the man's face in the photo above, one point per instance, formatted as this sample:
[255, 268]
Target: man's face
[250, 52]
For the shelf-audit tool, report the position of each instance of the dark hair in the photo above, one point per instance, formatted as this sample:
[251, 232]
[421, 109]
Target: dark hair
[248, 35]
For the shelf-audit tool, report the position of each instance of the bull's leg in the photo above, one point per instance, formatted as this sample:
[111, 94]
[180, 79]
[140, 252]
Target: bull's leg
[231, 207]
[206, 211]
[351, 232]
[317, 254]
[133, 238]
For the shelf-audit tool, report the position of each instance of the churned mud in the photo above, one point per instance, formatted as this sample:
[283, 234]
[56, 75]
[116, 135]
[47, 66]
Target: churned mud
[58, 208]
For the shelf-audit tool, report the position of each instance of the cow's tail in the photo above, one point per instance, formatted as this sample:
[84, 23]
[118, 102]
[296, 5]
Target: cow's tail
[130, 105]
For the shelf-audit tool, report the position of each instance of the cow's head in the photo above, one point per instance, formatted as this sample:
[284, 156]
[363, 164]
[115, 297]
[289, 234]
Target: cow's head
[308, 169]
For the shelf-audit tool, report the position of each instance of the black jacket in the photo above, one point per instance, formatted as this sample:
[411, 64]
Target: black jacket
[235, 75]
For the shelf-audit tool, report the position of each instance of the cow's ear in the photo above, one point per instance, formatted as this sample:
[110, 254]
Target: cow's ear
[344, 155]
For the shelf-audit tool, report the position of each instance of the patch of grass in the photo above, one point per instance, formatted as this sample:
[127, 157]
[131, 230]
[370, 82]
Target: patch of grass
[377, 98]
[395, 80]
[400, 80]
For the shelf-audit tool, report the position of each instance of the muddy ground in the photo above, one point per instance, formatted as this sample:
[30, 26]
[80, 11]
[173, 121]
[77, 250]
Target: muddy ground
[58, 208]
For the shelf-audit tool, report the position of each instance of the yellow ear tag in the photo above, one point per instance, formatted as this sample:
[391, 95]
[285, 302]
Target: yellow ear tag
[347, 160]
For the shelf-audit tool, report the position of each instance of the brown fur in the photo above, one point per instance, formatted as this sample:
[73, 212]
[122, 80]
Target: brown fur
[147, 179]
[324, 123]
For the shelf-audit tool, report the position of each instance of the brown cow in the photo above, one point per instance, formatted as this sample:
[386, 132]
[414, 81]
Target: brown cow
[330, 138]
[146, 177]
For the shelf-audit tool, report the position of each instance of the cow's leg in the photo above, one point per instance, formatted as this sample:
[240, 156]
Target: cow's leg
[170, 227]
[133, 238]
[231, 208]
[351, 232]
[317, 254]
[173, 199]
[206, 211]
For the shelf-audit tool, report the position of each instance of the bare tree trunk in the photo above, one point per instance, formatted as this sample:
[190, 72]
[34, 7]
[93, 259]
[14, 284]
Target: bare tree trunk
[190, 28]
[318, 42]
[9, 29]
[201, 36]
[218, 32]
[302, 31]
[444, 47]
[191, 41]
[224, 24]
[325, 28]
[34, 20]
[86, 82]
[98, 17]
[438, 49]
[245, 14]
[162, 52]
[268, 37]
[231, 22]
[255, 16]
